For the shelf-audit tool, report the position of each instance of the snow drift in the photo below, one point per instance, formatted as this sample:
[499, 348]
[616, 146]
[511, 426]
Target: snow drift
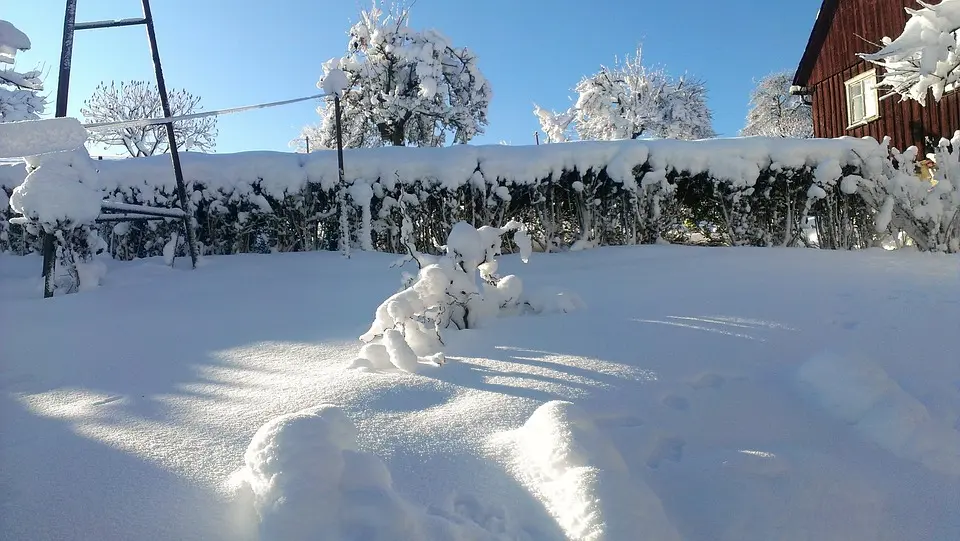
[307, 480]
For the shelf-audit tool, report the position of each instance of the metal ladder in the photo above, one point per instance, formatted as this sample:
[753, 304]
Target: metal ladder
[70, 26]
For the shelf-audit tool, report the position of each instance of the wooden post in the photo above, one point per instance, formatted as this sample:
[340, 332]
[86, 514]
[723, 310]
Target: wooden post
[171, 136]
[49, 249]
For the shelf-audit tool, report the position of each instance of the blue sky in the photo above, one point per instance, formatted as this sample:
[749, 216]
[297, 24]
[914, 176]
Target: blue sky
[238, 53]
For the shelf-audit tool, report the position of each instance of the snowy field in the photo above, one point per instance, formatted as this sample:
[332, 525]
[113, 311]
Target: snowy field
[702, 394]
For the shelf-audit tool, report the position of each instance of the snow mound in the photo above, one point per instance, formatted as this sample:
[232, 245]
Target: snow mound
[32, 137]
[335, 80]
[583, 480]
[862, 394]
[63, 188]
[12, 39]
[306, 479]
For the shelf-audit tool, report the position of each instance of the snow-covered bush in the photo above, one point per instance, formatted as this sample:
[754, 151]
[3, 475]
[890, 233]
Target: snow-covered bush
[407, 329]
[62, 196]
[753, 191]
[927, 211]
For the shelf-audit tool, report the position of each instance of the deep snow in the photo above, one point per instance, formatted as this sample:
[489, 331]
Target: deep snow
[702, 394]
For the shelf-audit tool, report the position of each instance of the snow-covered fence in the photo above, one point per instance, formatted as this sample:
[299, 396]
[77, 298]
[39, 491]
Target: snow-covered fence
[753, 191]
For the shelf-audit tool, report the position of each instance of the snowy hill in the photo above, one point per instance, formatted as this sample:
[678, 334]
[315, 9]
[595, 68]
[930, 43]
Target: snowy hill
[702, 394]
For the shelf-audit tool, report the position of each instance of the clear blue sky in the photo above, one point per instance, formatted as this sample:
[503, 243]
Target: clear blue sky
[238, 53]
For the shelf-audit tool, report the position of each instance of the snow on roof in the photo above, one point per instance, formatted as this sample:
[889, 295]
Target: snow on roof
[11, 41]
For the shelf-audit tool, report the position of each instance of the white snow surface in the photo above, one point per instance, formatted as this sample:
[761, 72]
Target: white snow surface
[32, 137]
[785, 394]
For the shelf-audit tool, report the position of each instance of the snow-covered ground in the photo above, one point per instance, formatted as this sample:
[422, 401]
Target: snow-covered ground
[703, 394]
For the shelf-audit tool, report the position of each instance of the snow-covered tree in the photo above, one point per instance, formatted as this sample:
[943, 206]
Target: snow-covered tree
[774, 112]
[925, 58]
[406, 87]
[20, 97]
[630, 101]
[139, 100]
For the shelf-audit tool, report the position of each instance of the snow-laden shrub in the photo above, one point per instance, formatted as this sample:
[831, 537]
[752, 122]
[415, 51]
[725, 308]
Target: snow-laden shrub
[928, 211]
[61, 196]
[747, 191]
[407, 329]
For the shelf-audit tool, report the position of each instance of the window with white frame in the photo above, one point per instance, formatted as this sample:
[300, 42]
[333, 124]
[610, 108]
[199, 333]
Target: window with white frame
[863, 103]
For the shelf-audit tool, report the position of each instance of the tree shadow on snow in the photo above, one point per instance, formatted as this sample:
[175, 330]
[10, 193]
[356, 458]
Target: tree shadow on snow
[59, 484]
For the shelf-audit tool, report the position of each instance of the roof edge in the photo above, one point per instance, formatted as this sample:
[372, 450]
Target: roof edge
[817, 36]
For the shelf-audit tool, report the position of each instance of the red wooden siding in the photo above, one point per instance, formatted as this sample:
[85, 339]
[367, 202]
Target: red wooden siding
[906, 123]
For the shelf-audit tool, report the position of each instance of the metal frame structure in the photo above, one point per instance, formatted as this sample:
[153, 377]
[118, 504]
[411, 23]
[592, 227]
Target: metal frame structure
[120, 212]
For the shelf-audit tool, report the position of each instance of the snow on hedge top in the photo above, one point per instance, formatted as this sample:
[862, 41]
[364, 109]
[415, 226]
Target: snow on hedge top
[738, 160]
[63, 189]
[926, 56]
[33, 137]
[11, 41]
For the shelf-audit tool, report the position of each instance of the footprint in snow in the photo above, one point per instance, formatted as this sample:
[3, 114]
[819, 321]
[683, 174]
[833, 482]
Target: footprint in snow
[708, 380]
[676, 402]
[666, 448]
[617, 420]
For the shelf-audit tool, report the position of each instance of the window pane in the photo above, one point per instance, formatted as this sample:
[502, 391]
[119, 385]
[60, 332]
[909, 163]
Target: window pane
[858, 108]
[856, 90]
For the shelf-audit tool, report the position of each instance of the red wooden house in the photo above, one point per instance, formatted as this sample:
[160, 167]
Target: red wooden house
[842, 86]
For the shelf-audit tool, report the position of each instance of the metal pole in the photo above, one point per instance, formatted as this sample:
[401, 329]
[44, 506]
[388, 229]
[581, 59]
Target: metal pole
[341, 191]
[171, 136]
[49, 249]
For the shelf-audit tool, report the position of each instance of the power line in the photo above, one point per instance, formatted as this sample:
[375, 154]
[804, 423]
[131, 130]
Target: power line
[98, 126]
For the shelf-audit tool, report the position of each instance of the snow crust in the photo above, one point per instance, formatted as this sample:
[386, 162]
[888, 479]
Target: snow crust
[32, 137]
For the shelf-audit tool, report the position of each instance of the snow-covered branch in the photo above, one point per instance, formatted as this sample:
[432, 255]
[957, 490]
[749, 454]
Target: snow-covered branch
[405, 87]
[925, 58]
[632, 101]
[774, 112]
[137, 100]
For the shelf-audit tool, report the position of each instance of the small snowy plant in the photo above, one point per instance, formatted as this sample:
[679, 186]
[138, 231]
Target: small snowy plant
[61, 196]
[406, 332]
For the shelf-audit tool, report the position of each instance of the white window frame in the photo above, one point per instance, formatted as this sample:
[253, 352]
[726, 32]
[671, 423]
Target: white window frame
[867, 83]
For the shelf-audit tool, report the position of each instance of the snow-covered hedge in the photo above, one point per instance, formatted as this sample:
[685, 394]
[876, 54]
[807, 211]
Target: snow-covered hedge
[755, 191]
